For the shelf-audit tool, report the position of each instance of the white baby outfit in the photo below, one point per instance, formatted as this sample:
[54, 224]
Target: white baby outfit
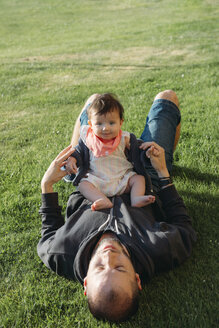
[110, 173]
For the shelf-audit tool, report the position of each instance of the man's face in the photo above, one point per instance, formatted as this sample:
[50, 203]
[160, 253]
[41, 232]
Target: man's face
[110, 266]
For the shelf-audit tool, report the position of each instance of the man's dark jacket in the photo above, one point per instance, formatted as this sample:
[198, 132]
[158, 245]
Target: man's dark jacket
[66, 246]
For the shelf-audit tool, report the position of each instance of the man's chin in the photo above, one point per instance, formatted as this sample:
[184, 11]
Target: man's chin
[108, 241]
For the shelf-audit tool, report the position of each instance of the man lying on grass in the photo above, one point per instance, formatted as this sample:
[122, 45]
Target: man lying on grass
[113, 251]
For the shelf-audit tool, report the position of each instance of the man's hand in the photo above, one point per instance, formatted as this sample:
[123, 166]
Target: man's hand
[54, 172]
[71, 166]
[157, 157]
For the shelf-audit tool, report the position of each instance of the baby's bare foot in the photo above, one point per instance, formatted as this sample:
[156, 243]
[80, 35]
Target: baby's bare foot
[141, 201]
[100, 204]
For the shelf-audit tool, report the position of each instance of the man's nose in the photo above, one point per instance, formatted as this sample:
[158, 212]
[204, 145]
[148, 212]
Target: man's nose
[109, 259]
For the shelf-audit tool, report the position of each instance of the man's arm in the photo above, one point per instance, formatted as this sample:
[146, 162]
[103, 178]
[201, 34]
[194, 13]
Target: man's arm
[52, 219]
[176, 227]
[172, 203]
[157, 157]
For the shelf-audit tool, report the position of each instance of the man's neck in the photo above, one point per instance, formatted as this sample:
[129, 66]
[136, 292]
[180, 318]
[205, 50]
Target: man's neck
[107, 234]
[110, 235]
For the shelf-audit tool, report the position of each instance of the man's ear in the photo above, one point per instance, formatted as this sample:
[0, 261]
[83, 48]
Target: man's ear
[85, 286]
[138, 281]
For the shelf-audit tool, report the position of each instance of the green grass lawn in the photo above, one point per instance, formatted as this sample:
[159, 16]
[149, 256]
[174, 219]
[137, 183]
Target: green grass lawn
[53, 55]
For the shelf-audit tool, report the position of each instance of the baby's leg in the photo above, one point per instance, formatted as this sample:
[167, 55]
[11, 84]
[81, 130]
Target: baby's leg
[138, 197]
[89, 191]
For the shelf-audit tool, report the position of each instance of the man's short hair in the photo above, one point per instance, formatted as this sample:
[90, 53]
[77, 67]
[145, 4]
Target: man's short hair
[112, 307]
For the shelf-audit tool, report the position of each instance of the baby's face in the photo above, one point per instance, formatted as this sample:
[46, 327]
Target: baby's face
[106, 126]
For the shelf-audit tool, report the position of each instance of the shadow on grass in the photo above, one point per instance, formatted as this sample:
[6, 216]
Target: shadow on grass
[185, 172]
[202, 203]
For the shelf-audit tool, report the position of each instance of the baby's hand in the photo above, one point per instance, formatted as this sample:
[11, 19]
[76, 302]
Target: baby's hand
[71, 165]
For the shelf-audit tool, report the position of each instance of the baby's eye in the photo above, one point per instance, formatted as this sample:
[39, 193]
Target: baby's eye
[111, 123]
